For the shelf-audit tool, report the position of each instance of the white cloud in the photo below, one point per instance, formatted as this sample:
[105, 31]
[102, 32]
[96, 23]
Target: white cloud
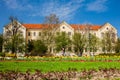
[15, 4]
[97, 5]
[65, 11]
[11, 3]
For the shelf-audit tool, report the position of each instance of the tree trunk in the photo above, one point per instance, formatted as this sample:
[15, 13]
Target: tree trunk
[81, 52]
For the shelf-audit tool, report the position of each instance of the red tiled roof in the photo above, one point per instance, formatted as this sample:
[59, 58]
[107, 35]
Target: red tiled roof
[33, 26]
[38, 26]
[81, 27]
[95, 27]
[75, 26]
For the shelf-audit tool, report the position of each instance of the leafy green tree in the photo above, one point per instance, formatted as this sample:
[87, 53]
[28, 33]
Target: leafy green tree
[1, 42]
[15, 44]
[108, 42]
[93, 43]
[79, 42]
[39, 48]
[62, 41]
[117, 46]
[30, 46]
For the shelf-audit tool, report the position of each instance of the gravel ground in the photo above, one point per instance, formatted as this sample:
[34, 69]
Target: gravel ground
[101, 74]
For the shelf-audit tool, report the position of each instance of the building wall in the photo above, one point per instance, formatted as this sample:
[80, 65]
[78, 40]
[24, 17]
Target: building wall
[34, 34]
[64, 27]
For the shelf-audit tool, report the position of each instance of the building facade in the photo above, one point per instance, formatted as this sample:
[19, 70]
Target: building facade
[34, 31]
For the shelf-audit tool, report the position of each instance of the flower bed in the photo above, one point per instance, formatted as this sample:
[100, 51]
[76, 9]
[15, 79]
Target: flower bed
[72, 59]
[106, 74]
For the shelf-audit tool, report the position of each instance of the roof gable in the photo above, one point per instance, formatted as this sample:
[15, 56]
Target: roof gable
[106, 25]
[16, 23]
[64, 23]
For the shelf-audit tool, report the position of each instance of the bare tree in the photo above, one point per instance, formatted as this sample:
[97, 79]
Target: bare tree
[50, 26]
[13, 37]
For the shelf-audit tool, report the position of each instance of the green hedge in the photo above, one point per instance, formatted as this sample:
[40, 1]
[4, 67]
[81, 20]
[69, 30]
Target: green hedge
[110, 54]
[2, 54]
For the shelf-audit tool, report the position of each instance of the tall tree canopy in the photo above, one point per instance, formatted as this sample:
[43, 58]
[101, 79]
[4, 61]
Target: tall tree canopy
[1, 42]
[62, 41]
[51, 23]
[79, 42]
[117, 46]
[93, 43]
[39, 48]
[108, 42]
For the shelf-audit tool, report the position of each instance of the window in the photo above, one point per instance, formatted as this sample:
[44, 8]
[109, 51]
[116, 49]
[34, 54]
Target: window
[95, 34]
[39, 33]
[69, 33]
[28, 33]
[102, 34]
[20, 32]
[34, 33]
[113, 35]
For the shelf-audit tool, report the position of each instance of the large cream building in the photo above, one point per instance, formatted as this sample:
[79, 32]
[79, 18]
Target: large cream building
[34, 31]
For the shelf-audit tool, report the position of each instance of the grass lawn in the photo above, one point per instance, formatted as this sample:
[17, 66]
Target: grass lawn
[47, 66]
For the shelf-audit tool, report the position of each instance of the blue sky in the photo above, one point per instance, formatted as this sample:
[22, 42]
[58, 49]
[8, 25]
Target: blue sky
[71, 11]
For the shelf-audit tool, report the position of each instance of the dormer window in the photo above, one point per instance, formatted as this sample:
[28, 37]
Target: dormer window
[102, 34]
[63, 27]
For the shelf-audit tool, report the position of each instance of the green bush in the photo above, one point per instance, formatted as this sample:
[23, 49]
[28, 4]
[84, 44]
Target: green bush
[2, 54]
